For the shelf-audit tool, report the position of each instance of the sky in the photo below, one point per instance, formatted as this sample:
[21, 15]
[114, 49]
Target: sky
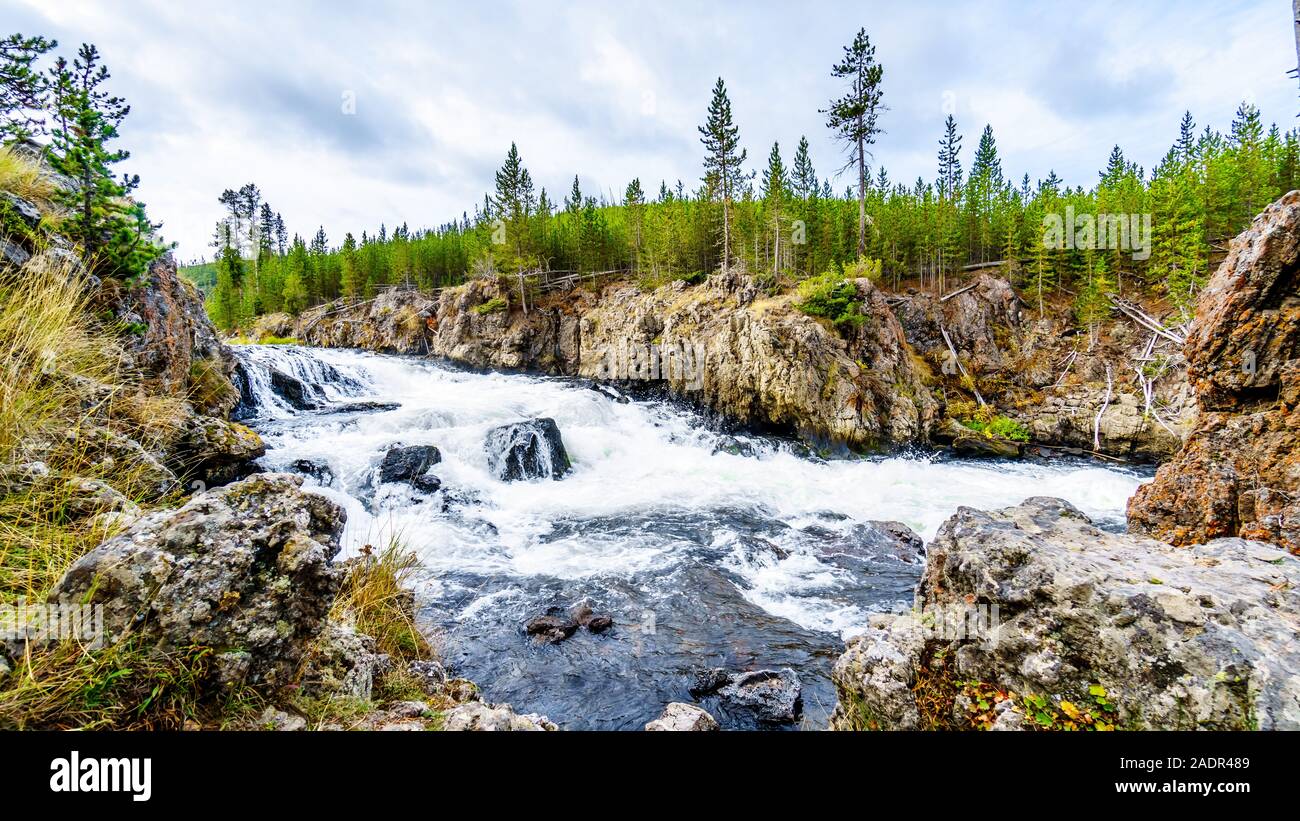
[348, 115]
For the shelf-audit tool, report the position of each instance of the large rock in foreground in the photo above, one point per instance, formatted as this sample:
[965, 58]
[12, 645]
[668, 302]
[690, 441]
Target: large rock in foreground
[1239, 473]
[246, 570]
[1090, 628]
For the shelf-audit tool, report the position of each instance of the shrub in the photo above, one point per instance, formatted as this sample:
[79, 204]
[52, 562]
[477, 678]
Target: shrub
[375, 600]
[831, 296]
[495, 305]
[986, 421]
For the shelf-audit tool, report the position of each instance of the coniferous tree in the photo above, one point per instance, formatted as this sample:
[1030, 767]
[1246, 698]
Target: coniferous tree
[949, 160]
[112, 230]
[353, 281]
[853, 117]
[23, 87]
[722, 160]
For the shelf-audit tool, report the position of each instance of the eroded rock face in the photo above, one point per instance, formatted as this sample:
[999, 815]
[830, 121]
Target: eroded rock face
[176, 332]
[1042, 373]
[1179, 638]
[247, 570]
[1239, 473]
[761, 361]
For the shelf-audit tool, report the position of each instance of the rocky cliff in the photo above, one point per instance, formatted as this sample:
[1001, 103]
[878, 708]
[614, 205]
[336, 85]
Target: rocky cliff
[756, 360]
[1041, 371]
[1239, 473]
[762, 362]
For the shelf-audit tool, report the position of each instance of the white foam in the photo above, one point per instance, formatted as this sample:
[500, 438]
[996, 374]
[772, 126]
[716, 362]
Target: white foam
[632, 460]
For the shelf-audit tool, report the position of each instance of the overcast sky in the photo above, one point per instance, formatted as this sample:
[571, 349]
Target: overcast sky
[223, 94]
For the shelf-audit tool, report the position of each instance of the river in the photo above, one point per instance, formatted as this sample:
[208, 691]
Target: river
[709, 549]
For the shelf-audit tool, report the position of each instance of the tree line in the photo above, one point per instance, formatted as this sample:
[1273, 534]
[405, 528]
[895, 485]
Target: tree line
[1133, 231]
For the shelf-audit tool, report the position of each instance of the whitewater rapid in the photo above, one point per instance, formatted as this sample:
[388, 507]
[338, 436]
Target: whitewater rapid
[654, 493]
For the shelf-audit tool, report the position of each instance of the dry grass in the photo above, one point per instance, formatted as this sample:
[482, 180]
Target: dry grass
[375, 599]
[49, 345]
[60, 380]
[21, 176]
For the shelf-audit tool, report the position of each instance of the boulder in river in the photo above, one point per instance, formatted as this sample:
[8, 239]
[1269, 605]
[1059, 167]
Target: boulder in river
[527, 450]
[292, 390]
[317, 469]
[551, 629]
[773, 696]
[407, 464]
[1089, 628]
[679, 717]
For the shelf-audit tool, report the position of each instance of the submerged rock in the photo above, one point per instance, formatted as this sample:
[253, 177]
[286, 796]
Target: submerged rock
[316, 469]
[556, 626]
[679, 717]
[406, 464]
[1193, 638]
[551, 629]
[527, 450]
[247, 569]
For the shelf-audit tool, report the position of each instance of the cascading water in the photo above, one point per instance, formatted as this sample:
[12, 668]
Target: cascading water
[708, 550]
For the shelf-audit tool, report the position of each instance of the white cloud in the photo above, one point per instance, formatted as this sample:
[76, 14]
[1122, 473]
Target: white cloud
[251, 91]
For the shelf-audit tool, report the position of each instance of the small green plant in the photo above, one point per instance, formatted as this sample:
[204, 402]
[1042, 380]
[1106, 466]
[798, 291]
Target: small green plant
[495, 305]
[832, 296]
[993, 425]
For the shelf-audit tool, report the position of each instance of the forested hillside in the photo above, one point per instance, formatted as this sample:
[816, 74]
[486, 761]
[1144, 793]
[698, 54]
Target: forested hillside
[1156, 230]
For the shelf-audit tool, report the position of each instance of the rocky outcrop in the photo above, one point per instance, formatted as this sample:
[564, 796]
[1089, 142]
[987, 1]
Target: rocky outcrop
[1048, 621]
[1044, 374]
[683, 718]
[758, 361]
[171, 331]
[216, 452]
[1239, 473]
[763, 363]
[247, 570]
